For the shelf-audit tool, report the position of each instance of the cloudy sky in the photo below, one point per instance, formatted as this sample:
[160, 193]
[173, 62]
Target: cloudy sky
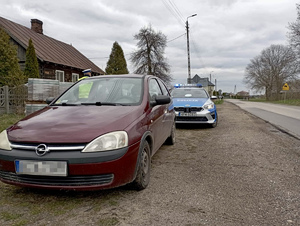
[224, 35]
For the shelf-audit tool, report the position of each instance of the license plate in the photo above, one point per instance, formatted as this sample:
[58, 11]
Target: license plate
[187, 114]
[41, 168]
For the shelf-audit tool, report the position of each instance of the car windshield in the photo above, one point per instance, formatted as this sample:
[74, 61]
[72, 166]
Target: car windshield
[189, 93]
[103, 91]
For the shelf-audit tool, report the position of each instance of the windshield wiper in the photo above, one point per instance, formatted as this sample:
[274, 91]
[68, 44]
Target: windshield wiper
[64, 104]
[101, 104]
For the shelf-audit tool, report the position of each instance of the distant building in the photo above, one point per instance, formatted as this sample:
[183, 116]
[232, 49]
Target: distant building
[207, 85]
[57, 60]
[243, 94]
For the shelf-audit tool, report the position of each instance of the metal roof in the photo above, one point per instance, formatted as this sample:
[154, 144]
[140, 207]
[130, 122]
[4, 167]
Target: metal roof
[48, 49]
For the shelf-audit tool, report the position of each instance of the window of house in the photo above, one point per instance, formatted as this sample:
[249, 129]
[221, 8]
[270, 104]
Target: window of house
[60, 75]
[75, 77]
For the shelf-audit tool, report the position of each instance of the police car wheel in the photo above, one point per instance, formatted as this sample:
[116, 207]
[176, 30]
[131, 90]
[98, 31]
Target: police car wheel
[214, 124]
[143, 172]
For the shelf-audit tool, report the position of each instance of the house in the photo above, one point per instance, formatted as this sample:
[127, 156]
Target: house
[243, 95]
[57, 60]
[206, 84]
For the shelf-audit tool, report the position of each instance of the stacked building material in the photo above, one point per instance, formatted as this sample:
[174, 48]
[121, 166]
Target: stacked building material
[41, 89]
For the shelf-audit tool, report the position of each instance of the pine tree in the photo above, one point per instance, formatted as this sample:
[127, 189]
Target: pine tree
[116, 63]
[31, 63]
[10, 72]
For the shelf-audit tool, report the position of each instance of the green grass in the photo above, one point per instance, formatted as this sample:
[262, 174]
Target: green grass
[294, 102]
[108, 222]
[7, 216]
[219, 101]
[7, 120]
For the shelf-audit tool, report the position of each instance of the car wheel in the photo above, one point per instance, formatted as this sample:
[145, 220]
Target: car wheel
[214, 124]
[171, 139]
[143, 172]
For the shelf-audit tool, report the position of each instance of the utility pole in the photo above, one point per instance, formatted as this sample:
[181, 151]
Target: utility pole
[189, 79]
[216, 84]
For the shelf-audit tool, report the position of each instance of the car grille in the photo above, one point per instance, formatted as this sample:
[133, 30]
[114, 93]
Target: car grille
[188, 109]
[183, 118]
[52, 147]
[58, 181]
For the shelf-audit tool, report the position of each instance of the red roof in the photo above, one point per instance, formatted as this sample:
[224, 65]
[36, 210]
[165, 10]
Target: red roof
[48, 49]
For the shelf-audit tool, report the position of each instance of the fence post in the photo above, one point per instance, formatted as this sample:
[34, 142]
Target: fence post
[6, 99]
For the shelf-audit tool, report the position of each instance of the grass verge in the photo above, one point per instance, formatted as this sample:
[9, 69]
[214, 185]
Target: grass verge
[294, 102]
[6, 120]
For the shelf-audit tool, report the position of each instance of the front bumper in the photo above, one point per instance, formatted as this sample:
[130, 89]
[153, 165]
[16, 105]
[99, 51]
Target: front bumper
[85, 171]
[201, 117]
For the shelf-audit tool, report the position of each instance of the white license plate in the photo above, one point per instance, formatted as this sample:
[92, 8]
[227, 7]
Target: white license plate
[42, 168]
[187, 114]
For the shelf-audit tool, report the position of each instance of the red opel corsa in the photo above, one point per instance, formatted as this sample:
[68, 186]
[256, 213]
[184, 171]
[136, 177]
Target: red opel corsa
[101, 133]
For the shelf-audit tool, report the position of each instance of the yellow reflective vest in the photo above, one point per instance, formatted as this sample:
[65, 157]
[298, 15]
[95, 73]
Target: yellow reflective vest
[84, 89]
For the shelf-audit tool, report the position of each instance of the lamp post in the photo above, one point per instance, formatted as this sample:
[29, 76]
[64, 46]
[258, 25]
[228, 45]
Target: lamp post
[188, 48]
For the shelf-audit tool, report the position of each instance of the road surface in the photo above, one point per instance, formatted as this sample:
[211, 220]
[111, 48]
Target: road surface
[285, 117]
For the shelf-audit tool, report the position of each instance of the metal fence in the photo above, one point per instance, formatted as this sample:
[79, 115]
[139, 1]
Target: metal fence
[12, 99]
[30, 97]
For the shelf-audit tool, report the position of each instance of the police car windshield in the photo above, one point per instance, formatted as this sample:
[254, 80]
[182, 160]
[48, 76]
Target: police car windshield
[189, 93]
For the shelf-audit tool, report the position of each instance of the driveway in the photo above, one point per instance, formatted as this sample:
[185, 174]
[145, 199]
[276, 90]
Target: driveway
[243, 172]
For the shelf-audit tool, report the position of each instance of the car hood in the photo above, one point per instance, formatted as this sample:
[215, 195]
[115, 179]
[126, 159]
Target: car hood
[72, 124]
[187, 102]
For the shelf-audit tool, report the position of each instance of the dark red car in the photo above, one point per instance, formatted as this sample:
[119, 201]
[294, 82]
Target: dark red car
[101, 133]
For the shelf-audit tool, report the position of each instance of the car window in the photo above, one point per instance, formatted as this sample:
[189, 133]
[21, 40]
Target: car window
[189, 93]
[154, 89]
[163, 88]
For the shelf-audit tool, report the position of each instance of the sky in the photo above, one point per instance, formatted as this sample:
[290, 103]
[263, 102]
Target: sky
[223, 37]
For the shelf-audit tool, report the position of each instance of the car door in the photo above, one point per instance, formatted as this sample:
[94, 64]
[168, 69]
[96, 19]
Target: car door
[159, 123]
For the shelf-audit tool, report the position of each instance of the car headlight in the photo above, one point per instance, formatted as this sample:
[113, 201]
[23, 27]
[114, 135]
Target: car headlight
[107, 142]
[209, 106]
[4, 142]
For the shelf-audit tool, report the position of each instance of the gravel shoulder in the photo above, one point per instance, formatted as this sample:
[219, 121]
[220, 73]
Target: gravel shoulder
[243, 172]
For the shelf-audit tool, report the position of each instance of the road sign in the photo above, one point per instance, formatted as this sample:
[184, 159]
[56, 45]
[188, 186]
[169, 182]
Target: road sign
[285, 87]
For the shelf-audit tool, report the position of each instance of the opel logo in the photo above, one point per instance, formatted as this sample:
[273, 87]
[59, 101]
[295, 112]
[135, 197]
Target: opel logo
[41, 149]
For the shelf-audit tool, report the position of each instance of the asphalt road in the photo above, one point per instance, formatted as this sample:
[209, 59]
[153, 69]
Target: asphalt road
[243, 172]
[285, 117]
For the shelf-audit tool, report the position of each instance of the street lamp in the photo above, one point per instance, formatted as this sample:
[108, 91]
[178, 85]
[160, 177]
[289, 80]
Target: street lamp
[188, 48]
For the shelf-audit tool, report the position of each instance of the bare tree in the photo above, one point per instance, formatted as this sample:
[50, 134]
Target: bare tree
[294, 33]
[149, 58]
[271, 69]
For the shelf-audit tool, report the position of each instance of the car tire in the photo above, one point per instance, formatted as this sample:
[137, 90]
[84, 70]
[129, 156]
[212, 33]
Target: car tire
[215, 123]
[171, 139]
[143, 171]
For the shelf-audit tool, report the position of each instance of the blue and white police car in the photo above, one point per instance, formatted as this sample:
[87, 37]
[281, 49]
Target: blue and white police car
[192, 104]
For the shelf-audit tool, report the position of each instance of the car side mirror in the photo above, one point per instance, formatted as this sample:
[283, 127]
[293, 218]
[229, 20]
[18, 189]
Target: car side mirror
[160, 100]
[213, 97]
[49, 100]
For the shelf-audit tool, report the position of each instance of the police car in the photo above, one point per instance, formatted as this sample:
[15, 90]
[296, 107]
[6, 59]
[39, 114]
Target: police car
[192, 104]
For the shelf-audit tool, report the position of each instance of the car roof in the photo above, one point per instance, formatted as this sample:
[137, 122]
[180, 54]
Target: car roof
[119, 76]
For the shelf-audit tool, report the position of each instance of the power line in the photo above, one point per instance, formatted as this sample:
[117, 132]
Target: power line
[176, 38]
[173, 11]
[176, 10]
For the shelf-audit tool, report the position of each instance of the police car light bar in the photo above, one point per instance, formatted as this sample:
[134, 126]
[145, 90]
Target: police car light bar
[188, 85]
